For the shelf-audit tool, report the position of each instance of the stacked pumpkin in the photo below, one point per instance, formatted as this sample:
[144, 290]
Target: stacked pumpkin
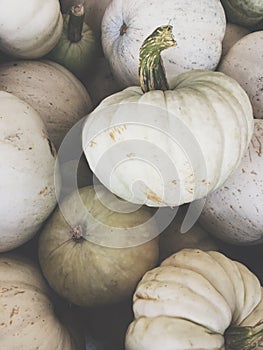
[174, 128]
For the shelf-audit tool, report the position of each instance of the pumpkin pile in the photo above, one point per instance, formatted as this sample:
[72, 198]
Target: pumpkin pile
[131, 174]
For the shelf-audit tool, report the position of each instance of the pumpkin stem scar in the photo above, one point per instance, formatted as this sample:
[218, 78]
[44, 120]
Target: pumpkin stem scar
[77, 234]
[123, 29]
[244, 338]
[75, 23]
[151, 69]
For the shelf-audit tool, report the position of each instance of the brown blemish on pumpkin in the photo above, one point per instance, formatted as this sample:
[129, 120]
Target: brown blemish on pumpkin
[77, 234]
[92, 143]
[15, 311]
[43, 191]
[152, 196]
[19, 292]
[123, 29]
[112, 136]
[259, 152]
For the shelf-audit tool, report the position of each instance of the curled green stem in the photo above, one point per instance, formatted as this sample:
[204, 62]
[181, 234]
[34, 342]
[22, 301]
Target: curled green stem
[244, 338]
[151, 70]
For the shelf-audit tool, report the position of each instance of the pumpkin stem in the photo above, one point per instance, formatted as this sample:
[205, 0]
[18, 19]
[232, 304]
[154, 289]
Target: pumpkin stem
[244, 338]
[77, 234]
[151, 70]
[75, 23]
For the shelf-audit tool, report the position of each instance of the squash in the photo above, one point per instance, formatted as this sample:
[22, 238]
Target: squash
[28, 190]
[29, 29]
[194, 299]
[173, 239]
[28, 321]
[92, 254]
[233, 213]
[233, 33]
[150, 146]
[243, 63]
[245, 13]
[52, 90]
[198, 28]
[77, 48]
[94, 11]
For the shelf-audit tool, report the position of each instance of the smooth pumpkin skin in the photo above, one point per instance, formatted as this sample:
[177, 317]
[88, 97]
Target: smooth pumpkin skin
[210, 106]
[31, 28]
[190, 300]
[243, 62]
[28, 321]
[51, 89]
[88, 273]
[245, 13]
[233, 213]
[27, 169]
[198, 29]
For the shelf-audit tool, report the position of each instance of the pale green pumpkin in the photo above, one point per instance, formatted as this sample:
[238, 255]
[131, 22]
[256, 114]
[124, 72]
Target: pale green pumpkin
[93, 255]
[77, 48]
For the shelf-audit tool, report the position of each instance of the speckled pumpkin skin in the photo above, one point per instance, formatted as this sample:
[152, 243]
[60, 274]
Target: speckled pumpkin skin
[233, 213]
[198, 28]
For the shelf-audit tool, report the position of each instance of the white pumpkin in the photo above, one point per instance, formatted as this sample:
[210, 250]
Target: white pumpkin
[233, 33]
[243, 62]
[198, 28]
[166, 148]
[27, 318]
[52, 90]
[28, 190]
[191, 300]
[29, 28]
[233, 213]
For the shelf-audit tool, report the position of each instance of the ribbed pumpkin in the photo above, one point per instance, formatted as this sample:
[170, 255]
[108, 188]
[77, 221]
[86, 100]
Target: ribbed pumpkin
[27, 318]
[31, 28]
[197, 300]
[164, 147]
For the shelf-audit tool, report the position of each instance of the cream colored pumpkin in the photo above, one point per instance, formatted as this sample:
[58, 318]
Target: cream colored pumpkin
[92, 254]
[52, 90]
[233, 213]
[198, 28]
[27, 318]
[243, 62]
[27, 167]
[29, 28]
[190, 301]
